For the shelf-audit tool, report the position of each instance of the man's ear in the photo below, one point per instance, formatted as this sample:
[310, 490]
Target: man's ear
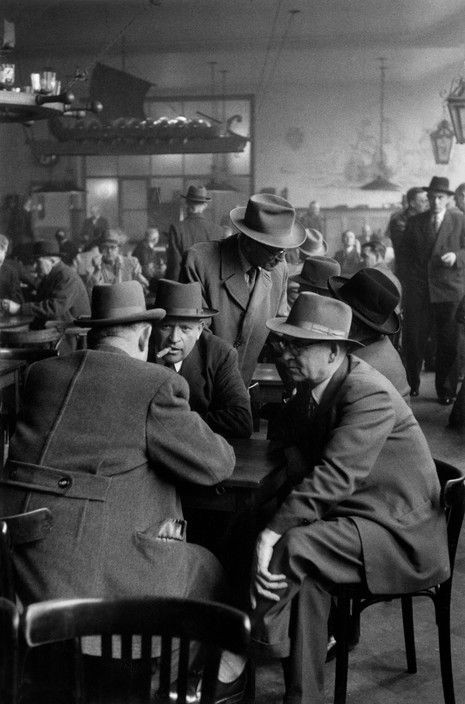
[144, 337]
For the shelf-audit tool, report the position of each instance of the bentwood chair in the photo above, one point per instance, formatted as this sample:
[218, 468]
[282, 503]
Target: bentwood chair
[351, 601]
[215, 626]
[9, 639]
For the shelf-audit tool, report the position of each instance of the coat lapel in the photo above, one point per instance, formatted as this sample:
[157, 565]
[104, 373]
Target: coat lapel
[232, 274]
[443, 233]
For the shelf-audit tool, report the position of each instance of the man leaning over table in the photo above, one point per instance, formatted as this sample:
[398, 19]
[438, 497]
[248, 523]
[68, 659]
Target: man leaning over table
[208, 363]
[365, 507]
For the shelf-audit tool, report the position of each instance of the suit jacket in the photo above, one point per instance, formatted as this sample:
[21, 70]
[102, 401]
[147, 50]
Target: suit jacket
[382, 355]
[93, 230]
[194, 228]
[363, 456]
[10, 285]
[423, 249]
[104, 441]
[242, 315]
[61, 295]
[217, 391]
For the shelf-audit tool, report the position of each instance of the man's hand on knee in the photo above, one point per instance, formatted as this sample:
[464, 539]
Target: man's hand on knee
[265, 583]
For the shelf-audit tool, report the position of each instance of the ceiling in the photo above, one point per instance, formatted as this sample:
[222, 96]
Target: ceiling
[419, 37]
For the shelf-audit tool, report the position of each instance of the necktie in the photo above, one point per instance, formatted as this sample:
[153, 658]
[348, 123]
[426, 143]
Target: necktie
[436, 223]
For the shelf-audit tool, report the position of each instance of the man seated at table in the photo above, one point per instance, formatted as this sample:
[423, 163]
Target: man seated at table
[110, 266]
[61, 295]
[10, 285]
[313, 276]
[208, 363]
[104, 441]
[366, 506]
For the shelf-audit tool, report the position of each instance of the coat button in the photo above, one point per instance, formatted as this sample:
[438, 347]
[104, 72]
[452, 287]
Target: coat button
[64, 482]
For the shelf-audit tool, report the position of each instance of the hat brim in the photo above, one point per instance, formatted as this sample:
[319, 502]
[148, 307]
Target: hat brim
[190, 314]
[282, 327]
[298, 278]
[144, 317]
[438, 190]
[312, 253]
[389, 327]
[197, 200]
[292, 240]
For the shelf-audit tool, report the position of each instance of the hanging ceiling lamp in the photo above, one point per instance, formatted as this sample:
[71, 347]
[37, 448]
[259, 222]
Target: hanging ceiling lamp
[456, 104]
[442, 140]
[381, 182]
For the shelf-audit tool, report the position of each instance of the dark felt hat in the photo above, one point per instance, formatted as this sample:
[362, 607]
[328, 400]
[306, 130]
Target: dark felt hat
[197, 194]
[182, 300]
[440, 184]
[46, 248]
[119, 304]
[270, 220]
[372, 297]
[316, 272]
[315, 317]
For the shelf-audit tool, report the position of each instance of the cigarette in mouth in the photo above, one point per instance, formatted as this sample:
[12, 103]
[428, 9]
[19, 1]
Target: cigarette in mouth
[163, 352]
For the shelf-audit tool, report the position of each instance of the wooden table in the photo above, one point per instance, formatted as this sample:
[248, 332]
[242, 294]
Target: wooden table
[266, 387]
[12, 322]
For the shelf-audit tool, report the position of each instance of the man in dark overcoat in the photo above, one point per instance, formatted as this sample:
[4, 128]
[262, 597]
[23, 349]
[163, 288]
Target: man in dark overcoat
[245, 276]
[366, 507]
[104, 440]
[207, 363]
[434, 244]
[61, 294]
[195, 227]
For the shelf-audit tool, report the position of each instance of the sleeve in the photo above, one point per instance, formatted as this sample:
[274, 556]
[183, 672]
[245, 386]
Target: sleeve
[363, 426]
[191, 270]
[174, 255]
[15, 292]
[57, 304]
[180, 442]
[460, 253]
[283, 306]
[229, 412]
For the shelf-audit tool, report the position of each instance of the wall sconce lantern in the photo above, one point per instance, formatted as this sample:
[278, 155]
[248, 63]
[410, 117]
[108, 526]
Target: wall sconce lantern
[442, 139]
[456, 104]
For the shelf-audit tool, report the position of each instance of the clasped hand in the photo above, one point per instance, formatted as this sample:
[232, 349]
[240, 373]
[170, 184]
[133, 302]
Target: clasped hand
[449, 259]
[264, 582]
[10, 307]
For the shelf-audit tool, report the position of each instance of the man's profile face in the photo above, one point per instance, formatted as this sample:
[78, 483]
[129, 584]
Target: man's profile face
[420, 203]
[308, 362]
[152, 238]
[109, 252]
[179, 334]
[437, 201]
[262, 255]
[368, 257]
[44, 266]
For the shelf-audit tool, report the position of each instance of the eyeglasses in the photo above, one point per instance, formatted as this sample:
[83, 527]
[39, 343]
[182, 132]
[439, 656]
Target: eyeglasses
[272, 250]
[279, 345]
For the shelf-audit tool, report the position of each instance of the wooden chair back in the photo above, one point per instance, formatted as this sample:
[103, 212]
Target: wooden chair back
[9, 639]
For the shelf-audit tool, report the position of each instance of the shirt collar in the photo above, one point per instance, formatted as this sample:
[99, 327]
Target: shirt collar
[319, 389]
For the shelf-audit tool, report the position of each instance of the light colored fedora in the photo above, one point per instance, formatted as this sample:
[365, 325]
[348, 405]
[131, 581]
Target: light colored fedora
[316, 272]
[314, 244]
[118, 304]
[197, 194]
[372, 297]
[182, 300]
[315, 317]
[270, 220]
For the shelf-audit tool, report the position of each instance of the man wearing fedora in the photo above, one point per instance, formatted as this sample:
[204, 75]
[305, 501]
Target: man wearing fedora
[207, 363]
[352, 517]
[103, 442]
[434, 285]
[112, 267]
[61, 294]
[245, 276]
[374, 300]
[314, 276]
[194, 228]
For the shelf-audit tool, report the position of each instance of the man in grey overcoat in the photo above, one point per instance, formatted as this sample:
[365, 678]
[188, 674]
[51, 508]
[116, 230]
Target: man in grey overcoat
[103, 441]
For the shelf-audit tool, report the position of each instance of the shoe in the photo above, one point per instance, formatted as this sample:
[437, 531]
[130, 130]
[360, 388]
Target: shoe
[233, 692]
[445, 400]
[332, 648]
[193, 694]
[414, 392]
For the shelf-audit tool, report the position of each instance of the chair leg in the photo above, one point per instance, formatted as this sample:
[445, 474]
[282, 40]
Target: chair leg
[342, 649]
[442, 606]
[409, 633]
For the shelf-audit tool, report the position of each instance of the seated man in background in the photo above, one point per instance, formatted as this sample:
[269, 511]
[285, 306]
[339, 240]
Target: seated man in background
[10, 285]
[61, 295]
[68, 249]
[348, 257]
[208, 363]
[112, 267]
[373, 255]
[314, 277]
[151, 258]
[353, 516]
[103, 442]
[374, 300]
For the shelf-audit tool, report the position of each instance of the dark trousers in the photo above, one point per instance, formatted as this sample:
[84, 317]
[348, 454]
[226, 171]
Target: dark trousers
[295, 629]
[446, 347]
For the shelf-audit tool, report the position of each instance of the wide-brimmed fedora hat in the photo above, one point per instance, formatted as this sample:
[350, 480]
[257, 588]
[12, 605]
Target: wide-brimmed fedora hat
[270, 220]
[440, 184]
[314, 245]
[118, 304]
[315, 317]
[46, 248]
[197, 194]
[316, 272]
[182, 300]
[372, 297]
